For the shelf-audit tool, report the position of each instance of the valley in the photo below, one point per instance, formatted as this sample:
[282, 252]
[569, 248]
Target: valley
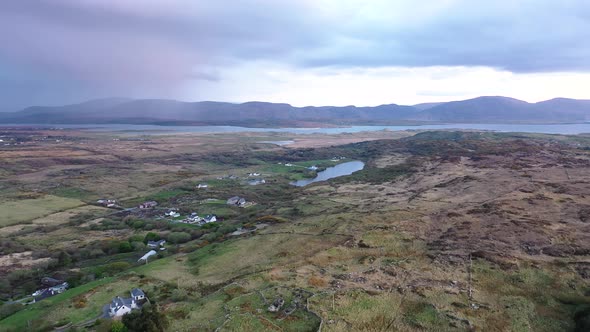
[440, 231]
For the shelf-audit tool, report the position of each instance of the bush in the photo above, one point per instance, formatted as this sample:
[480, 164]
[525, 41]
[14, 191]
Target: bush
[125, 246]
[151, 237]
[178, 237]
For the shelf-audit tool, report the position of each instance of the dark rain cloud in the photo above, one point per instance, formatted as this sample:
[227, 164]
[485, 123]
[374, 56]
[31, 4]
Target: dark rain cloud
[66, 50]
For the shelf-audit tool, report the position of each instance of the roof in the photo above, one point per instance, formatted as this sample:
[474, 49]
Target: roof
[118, 302]
[148, 254]
[137, 292]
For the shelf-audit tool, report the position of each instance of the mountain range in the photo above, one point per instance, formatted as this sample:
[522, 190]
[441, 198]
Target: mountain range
[172, 112]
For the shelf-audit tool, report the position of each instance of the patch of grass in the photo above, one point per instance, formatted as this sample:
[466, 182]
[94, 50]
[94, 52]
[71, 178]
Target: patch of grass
[25, 210]
[42, 309]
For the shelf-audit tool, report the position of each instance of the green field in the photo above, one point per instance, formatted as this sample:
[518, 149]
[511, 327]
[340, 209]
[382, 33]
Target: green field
[22, 211]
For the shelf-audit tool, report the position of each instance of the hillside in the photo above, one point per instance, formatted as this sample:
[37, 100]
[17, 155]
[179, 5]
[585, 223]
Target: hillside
[172, 112]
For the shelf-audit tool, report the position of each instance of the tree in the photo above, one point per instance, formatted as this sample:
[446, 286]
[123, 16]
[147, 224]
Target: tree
[151, 237]
[118, 326]
[148, 319]
[178, 237]
[64, 259]
[125, 246]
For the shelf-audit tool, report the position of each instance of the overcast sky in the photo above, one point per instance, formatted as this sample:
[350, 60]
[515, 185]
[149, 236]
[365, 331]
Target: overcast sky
[303, 52]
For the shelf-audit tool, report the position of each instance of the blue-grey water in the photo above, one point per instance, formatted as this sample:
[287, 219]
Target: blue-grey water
[346, 168]
[566, 129]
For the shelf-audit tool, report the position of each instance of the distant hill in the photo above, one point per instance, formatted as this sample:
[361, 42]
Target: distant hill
[172, 112]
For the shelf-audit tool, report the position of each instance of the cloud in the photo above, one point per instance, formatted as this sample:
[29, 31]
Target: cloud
[71, 49]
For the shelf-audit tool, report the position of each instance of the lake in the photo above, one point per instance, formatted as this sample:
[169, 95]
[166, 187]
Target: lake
[346, 168]
[566, 129]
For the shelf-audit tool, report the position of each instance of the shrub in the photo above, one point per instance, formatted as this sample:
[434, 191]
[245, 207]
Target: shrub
[178, 237]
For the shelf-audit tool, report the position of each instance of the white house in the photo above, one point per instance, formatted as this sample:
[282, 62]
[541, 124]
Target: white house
[120, 306]
[202, 185]
[210, 218]
[137, 294]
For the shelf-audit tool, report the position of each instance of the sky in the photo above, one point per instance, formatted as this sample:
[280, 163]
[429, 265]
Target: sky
[302, 52]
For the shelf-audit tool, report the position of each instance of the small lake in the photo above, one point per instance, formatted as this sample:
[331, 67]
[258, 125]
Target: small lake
[346, 168]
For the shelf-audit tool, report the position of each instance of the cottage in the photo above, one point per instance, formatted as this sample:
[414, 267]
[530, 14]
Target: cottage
[137, 294]
[120, 306]
[313, 168]
[148, 205]
[210, 218]
[233, 200]
[256, 182]
[172, 214]
[202, 185]
[145, 257]
[156, 244]
[289, 165]
[254, 174]
[107, 202]
[51, 291]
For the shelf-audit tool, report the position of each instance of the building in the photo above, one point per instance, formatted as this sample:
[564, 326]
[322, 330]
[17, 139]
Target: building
[51, 291]
[120, 306]
[233, 200]
[148, 205]
[256, 182]
[202, 185]
[210, 218]
[156, 244]
[145, 257]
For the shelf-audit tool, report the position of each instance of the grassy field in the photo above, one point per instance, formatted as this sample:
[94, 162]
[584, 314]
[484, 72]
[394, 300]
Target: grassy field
[25, 210]
[46, 309]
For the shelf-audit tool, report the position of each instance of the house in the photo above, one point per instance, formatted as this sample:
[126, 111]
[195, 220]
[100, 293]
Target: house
[210, 218]
[172, 214]
[237, 201]
[107, 202]
[313, 168]
[147, 255]
[156, 244]
[289, 165]
[148, 205]
[255, 182]
[253, 174]
[137, 294]
[202, 185]
[51, 291]
[50, 282]
[233, 200]
[120, 306]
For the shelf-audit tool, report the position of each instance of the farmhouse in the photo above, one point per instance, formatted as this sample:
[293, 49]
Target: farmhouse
[233, 200]
[148, 205]
[210, 218]
[51, 291]
[120, 306]
[156, 244]
[107, 202]
[202, 185]
[255, 182]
